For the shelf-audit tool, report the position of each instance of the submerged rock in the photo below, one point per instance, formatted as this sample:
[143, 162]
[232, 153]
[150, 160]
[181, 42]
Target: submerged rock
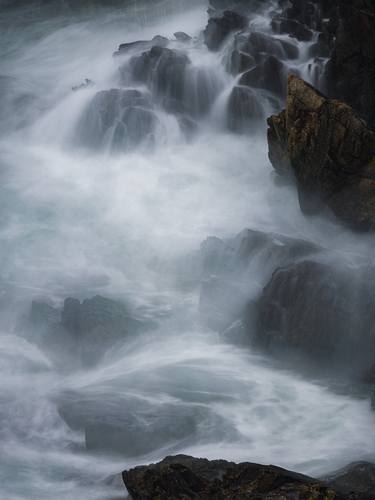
[163, 70]
[219, 27]
[184, 477]
[118, 120]
[329, 150]
[83, 331]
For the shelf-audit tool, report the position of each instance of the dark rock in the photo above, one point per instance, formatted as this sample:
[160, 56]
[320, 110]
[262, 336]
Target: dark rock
[294, 28]
[269, 75]
[86, 84]
[350, 72]
[229, 268]
[119, 120]
[142, 45]
[163, 70]
[83, 330]
[240, 62]
[240, 6]
[259, 44]
[323, 310]
[329, 150]
[244, 110]
[183, 477]
[182, 37]
[218, 28]
[357, 478]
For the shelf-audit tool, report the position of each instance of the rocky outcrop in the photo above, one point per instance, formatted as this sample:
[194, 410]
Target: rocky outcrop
[219, 27]
[184, 477]
[350, 72]
[329, 150]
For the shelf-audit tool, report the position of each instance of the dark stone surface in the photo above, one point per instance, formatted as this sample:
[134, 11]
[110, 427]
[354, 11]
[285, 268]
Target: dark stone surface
[218, 28]
[118, 120]
[182, 477]
[244, 110]
[270, 75]
[329, 150]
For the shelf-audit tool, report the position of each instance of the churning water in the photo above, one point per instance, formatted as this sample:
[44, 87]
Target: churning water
[79, 219]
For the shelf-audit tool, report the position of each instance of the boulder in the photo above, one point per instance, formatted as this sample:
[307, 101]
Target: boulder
[163, 70]
[118, 120]
[323, 310]
[244, 111]
[329, 150]
[220, 27]
[184, 477]
[269, 75]
[259, 44]
[183, 37]
[84, 330]
[293, 28]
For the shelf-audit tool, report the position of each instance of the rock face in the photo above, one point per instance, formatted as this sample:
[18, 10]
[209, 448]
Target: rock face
[350, 72]
[329, 150]
[219, 27]
[182, 477]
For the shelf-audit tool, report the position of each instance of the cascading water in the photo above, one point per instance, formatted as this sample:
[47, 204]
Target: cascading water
[110, 189]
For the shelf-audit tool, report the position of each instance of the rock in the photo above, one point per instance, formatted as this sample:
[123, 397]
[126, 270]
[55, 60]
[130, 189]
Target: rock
[218, 28]
[184, 477]
[269, 75]
[294, 28]
[260, 44]
[240, 6]
[330, 152]
[229, 268]
[163, 70]
[350, 72]
[240, 62]
[86, 84]
[320, 309]
[119, 120]
[244, 110]
[182, 37]
[357, 478]
[142, 45]
[83, 330]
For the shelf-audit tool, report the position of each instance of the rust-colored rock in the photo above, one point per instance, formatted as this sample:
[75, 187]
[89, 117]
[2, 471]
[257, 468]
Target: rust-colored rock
[329, 150]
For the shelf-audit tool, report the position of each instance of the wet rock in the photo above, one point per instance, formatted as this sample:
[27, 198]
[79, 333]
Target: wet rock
[244, 110]
[269, 75]
[182, 37]
[293, 28]
[86, 84]
[229, 268]
[240, 62]
[259, 44]
[350, 72]
[241, 6]
[118, 120]
[321, 309]
[218, 28]
[330, 152]
[84, 330]
[357, 479]
[184, 477]
[142, 45]
[163, 70]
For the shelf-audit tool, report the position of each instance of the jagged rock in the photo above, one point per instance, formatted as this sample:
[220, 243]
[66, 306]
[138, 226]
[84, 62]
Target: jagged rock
[258, 44]
[269, 75]
[183, 477]
[294, 28]
[324, 310]
[329, 150]
[350, 72]
[118, 120]
[244, 110]
[357, 479]
[218, 28]
[163, 70]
